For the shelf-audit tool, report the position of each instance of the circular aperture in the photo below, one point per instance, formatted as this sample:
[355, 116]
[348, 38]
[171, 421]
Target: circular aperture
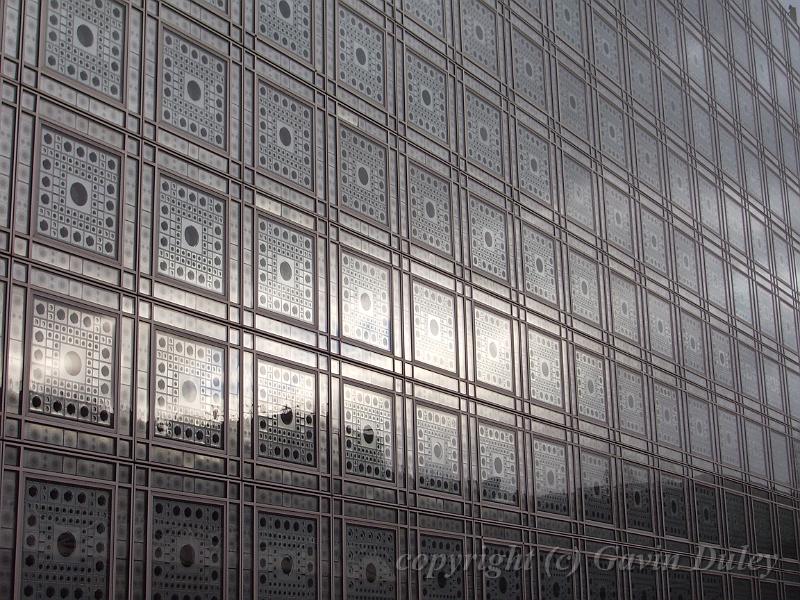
[363, 176]
[286, 271]
[368, 434]
[78, 194]
[187, 555]
[72, 363]
[366, 302]
[66, 544]
[285, 136]
[189, 391]
[85, 36]
[191, 235]
[193, 89]
[285, 9]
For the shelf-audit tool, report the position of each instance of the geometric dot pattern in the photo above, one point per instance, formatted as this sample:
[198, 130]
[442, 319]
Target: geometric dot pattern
[287, 550]
[441, 581]
[653, 242]
[630, 402]
[429, 205]
[484, 133]
[596, 484]
[78, 201]
[550, 477]
[287, 408]
[638, 503]
[360, 55]
[590, 386]
[673, 496]
[366, 302]
[660, 326]
[85, 43]
[288, 24]
[624, 308]
[363, 178]
[368, 426]
[285, 136]
[528, 69]
[544, 368]
[533, 161]
[370, 563]
[67, 542]
[560, 580]
[612, 132]
[488, 240]
[434, 327]
[498, 461]
[72, 363]
[190, 390]
[700, 433]
[668, 423]
[567, 22]
[187, 550]
[285, 271]
[194, 84]
[618, 219]
[493, 355]
[426, 90]
[191, 236]
[438, 454]
[479, 34]
[507, 582]
[428, 12]
[539, 264]
[578, 193]
[706, 509]
[585, 294]
[693, 344]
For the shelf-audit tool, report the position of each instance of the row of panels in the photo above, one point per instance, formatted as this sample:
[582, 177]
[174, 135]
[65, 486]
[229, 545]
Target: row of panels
[182, 381]
[79, 537]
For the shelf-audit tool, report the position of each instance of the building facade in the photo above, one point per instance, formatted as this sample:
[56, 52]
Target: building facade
[299, 293]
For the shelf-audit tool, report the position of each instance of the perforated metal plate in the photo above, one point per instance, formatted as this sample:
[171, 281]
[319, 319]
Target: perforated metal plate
[287, 550]
[612, 131]
[493, 352]
[445, 579]
[625, 308]
[668, 423]
[368, 433]
[78, 193]
[428, 12]
[438, 453]
[371, 563]
[602, 580]
[692, 338]
[654, 243]
[706, 510]
[191, 235]
[567, 21]
[550, 474]
[528, 65]
[630, 401]
[638, 499]
[366, 302]
[686, 261]
[619, 229]
[559, 582]
[590, 385]
[596, 488]
[484, 133]
[285, 135]
[187, 549]
[430, 206]
[578, 193]
[360, 56]
[584, 290]
[762, 527]
[659, 318]
[434, 327]
[193, 90]
[72, 363]
[286, 270]
[728, 438]
[363, 176]
[426, 96]
[189, 390]
[287, 413]
[544, 368]
[572, 101]
[673, 502]
[533, 163]
[497, 447]
[721, 358]
[67, 541]
[488, 238]
[700, 433]
[736, 520]
[506, 582]
[539, 262]
[288, 24]
[479, 34]
[85, 43]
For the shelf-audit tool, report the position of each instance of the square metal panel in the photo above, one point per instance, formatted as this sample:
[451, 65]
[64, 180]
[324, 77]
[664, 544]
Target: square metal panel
[625, 308]
[86, 43]
[493, 351]
[590, 386]
[193, 92]
[707, 516]
[728, 425]
[78, 193]
[550, 477]
[654, 242]
[488, 238]
[572, 102]
[286, 271]
[366, 301]
[638, 497]
[533, 164]
[442, 581]
[189, 381]
[497, 449]
[287, 550]
[289, 24]
[584, 287]
[545, 368]
[611, 124]
[484, 133]
[559, 581]
[507, 580]
[287, 413]
[660, 326]
[668, 416]
[368, 425]
[285, 136]
[648, 159]
[619, 227]
[66, 530]
[606, 47]
[360, 55]
[736, 519]
[701, 435]
[430, 208]
[479, 33]
[191, 238]
[693, 343]
[187, 550]
[363, 176]
[602, 579]
[434, 327]
[578, 193]
[596, 488]
[686, 261]
[630, 401]
[72, 364]
[529, 69]
[438, 450]
[567, 20]
[429, 13]
[371, 563]
[426, 97]
[673, 502]
[721, 359]
[539, 264]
